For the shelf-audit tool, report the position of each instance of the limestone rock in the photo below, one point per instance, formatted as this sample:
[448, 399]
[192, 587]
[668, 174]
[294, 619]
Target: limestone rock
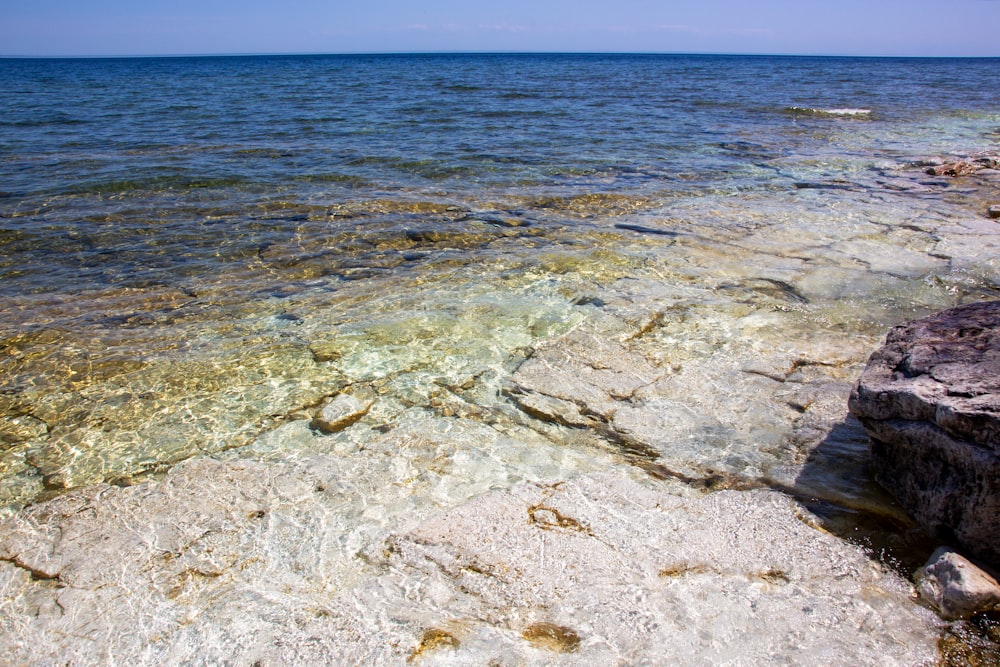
[956, 586]
[588, 370]
[241, 563]
[342, 411]
[324, 351]
[718, 414]
[930, 400]
[20, 428]
[620, 571]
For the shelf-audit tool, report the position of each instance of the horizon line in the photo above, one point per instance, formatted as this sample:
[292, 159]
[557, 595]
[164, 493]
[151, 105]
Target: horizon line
[459, 52]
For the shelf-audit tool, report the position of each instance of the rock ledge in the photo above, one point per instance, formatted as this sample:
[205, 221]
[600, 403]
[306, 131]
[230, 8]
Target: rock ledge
[930, 400]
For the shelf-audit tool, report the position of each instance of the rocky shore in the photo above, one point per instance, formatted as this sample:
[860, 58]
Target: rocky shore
[639, 453]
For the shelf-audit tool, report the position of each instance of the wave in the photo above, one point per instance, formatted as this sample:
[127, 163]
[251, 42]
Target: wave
[849, 112]
[178, 183]
[60, 119]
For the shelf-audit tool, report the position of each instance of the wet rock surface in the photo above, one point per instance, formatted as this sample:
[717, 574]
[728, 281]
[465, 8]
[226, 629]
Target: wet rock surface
[930, 399]
[237, 562]
[965, 167]
[341, 411]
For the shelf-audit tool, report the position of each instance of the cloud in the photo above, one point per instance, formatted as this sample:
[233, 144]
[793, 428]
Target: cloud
[672, 27]
[503, 27]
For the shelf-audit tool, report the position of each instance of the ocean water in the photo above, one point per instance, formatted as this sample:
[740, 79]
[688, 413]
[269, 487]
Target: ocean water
[195, 253]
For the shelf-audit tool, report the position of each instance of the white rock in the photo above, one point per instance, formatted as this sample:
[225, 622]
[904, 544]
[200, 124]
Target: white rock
[615, 572]
[240, 562]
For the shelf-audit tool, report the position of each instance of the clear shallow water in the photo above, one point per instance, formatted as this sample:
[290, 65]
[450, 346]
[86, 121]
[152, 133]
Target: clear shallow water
[196, 252]
[155, 160]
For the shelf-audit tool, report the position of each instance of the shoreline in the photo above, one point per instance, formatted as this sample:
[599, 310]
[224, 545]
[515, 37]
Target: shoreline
[637, 361]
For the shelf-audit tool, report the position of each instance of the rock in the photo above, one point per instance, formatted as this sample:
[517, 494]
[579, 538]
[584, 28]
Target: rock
[643, 229]
[341, 412]
[964, 167]
[994, 211]
[587, 371]
[953, 169]
[240, 562]
[19, 428]
[324, 351]
[708, 414]
[604, 567]
[930, 401]
[955, 586]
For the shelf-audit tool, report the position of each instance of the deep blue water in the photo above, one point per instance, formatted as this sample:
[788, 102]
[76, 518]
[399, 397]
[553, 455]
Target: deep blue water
[127, 160]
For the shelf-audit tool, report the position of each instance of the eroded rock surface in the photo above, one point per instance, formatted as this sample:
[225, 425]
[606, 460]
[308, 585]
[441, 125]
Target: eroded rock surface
[245, 562]
[965, 167]
[930, 399]
[726, 413]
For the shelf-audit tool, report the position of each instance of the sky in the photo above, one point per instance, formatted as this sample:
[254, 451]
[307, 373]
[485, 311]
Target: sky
[183, 27]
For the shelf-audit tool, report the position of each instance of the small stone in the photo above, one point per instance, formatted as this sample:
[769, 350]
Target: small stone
[552, 637]
[955, 586]
[994, 211]
[964, 167]
[960, 168]
[432, 640]
[324, 351]
[341, 412]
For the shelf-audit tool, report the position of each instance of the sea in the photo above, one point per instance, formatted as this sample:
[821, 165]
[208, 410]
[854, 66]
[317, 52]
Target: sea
[196, 252]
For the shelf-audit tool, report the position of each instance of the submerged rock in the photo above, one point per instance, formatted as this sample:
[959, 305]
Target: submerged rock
[341, 412]
[964, 167]
[930, 400]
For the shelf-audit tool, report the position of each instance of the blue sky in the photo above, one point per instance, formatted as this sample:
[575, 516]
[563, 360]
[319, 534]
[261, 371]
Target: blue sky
[170, 27]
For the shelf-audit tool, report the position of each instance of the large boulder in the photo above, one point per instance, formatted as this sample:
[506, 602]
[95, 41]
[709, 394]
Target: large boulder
[930, 400]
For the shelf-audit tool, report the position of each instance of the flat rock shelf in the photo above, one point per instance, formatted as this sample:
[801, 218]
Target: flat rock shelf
[242, 563]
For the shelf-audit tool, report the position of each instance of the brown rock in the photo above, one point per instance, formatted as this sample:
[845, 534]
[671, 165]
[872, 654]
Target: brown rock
[963, 167]
[953, 169]
[341, 412]
[930, 400]
[955, 586]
